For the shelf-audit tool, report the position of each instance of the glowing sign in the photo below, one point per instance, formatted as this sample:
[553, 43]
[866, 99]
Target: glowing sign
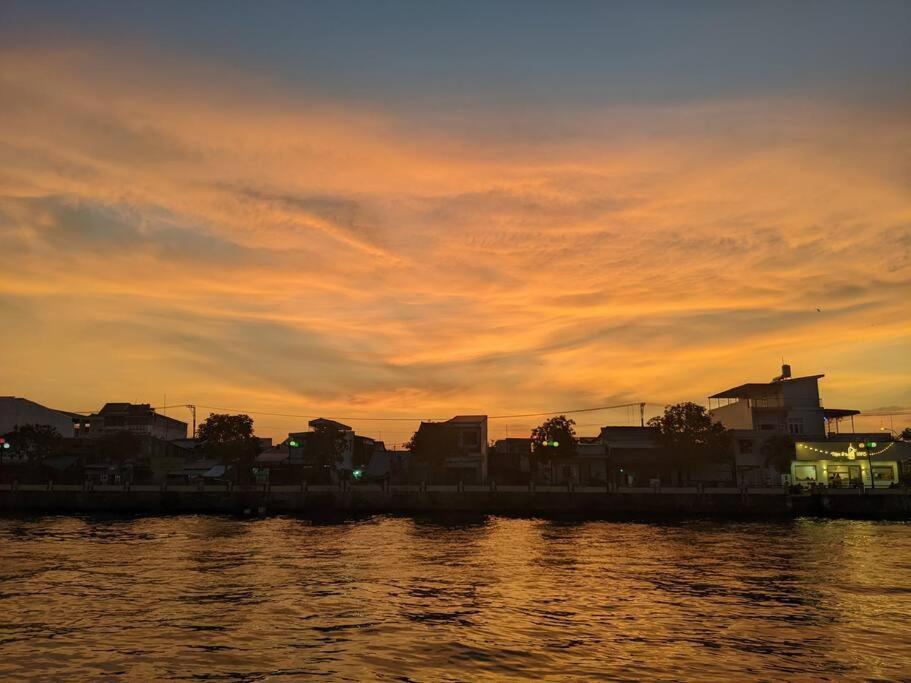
[852, 452]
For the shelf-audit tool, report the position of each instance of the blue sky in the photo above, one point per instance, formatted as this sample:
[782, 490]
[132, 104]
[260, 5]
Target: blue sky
[512, 54]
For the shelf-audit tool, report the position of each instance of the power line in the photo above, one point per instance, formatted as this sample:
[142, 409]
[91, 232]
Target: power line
[415, 419]
[878, 413]
[489, 417]
[575, 410]
[311, 417]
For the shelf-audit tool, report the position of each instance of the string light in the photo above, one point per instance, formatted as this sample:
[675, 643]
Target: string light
[842, 454]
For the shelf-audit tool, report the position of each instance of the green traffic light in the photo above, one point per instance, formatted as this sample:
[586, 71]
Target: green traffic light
[293, 444]
[6, 445]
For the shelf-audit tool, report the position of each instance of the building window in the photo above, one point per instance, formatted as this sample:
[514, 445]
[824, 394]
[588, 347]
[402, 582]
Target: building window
[795, 425]
[470, 438]
[805, 473]
[884, 475]
[844, 475]
[746, 446]
[767, 427]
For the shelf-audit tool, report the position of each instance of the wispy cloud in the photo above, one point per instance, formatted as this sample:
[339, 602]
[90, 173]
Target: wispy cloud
[229, 242]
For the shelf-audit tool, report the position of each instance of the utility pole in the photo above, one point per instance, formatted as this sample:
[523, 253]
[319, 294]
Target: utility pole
[642, 414]
[190, 407]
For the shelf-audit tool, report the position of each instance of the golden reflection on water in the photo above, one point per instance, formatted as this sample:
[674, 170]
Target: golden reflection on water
[488, 598]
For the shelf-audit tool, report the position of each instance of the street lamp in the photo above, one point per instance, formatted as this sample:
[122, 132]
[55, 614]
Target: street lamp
[867, 446]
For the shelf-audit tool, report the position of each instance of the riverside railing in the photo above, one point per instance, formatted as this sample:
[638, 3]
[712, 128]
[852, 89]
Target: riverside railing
[425, 488]
[390, 489]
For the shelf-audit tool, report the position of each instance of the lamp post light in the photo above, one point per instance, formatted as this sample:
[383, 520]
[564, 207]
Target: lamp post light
[867, 447]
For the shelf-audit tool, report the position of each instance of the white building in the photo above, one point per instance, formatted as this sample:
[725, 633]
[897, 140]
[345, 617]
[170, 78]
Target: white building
[783, 406]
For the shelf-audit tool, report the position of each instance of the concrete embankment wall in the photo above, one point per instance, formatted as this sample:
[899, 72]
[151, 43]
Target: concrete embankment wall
[509, 500]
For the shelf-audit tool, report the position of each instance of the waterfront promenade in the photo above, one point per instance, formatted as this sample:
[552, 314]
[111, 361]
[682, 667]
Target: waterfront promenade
[530, 500]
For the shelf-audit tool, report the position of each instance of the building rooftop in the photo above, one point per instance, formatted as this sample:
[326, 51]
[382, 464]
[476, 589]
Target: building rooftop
[324, 422]
[624, 436]
[116, 407]
[835, 413]
[20, 399]
[759, 389]
[275, 456]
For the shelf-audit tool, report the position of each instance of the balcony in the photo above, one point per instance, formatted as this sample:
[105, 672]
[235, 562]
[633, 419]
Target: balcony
[779, 403]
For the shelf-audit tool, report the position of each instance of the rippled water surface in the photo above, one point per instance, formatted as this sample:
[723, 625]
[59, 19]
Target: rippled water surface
[405, 599]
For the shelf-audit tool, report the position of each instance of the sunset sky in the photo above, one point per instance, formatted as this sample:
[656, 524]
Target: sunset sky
[423, 209]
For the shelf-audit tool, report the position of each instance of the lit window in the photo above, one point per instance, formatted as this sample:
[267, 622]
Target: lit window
[884, 475]
[805, 473]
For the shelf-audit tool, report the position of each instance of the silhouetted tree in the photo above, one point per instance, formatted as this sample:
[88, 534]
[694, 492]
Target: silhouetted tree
[230, 440]
[328, 445]
[33, 442]
[691, 438]
[224, 428]
[778, 451]
[906, 434]
[560, 430]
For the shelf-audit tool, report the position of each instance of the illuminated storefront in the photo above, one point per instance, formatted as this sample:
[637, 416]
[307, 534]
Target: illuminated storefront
[848, 463]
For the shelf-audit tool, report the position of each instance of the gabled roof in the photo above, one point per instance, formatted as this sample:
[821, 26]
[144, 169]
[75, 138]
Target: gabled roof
[757, 389]
[324, 422]
[20, 399]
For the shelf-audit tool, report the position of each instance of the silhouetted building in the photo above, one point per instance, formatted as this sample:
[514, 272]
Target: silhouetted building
[328, 452]
[585, 466]
[510, 461]
[452, 451]
[16, 411]
[634, 456]
[138, 418]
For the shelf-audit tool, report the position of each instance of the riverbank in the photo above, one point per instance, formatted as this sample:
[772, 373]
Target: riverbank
[531, 500]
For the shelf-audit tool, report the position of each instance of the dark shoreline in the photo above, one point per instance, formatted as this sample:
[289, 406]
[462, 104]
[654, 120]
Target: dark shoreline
[336, 502]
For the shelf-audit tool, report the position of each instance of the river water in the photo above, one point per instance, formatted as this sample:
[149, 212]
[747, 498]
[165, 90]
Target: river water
[390, 598]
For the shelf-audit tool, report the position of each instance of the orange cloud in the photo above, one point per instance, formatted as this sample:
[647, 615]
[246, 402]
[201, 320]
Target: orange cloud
[231, 244]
